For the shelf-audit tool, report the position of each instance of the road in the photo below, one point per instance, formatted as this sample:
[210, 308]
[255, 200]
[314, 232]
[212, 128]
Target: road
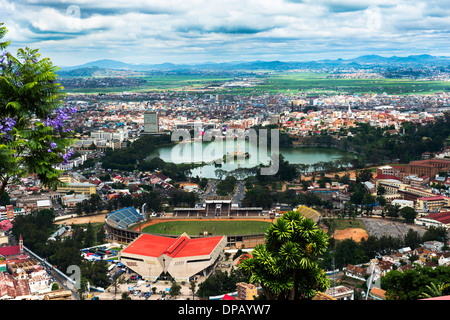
[212, 187]
[240, 192]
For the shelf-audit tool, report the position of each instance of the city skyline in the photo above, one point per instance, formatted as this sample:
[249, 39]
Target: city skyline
[76, 32]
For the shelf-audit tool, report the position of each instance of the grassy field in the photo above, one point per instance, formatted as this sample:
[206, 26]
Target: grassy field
[287, 83]
[213, 227]
[161, 83]
[319, 83]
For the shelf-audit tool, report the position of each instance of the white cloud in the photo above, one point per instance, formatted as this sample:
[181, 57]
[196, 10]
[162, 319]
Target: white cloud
[173, 30]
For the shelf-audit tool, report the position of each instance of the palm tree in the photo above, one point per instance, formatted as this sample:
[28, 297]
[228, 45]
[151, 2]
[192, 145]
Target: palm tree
[434, 290]
[286, 264]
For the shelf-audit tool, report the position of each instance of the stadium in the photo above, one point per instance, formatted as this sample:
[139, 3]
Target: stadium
[123, 226]
[180, 256]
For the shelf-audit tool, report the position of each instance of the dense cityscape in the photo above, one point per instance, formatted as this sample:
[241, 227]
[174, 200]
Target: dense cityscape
[110, 123]
[247, 182]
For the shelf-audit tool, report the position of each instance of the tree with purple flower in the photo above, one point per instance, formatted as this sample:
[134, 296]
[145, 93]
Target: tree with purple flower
[33, 137]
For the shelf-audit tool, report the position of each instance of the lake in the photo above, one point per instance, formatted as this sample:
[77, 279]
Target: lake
[198, 152]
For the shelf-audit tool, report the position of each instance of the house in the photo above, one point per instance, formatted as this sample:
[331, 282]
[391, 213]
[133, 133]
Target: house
[39, 281]
[20, 274]
[71, 200]
[340, 293]
[405, 267]
[393, 258]
[13, 289]
[355, 272]
[433, 245]
[377, 294]
[5, 225]
[162, 177]
[385, 267]
[444, 259]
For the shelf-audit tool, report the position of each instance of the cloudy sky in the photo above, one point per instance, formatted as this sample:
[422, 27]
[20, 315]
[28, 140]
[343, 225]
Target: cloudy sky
[191, 31]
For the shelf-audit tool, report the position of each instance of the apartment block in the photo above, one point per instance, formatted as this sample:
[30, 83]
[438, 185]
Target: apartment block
[246, 291]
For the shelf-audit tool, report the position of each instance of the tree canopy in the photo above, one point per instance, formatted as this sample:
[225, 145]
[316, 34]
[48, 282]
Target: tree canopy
[286, 265]
[33, 138]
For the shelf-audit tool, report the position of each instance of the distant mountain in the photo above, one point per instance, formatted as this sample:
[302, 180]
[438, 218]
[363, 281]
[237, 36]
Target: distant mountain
[81, 72]
[366, 60]
[105, 64]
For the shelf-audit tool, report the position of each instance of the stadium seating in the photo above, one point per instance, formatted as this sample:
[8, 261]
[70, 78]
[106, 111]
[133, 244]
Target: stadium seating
[309, 213]
[124, 217]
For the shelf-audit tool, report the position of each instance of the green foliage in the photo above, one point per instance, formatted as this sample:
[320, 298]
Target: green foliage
[435, 233]
[375, 146]
[96, 273]
[181, 197]
[175, 290]
[3, 32]
[35, 230]
[351, 252]
[408, 213]
[416, 283]
[286, 265]
[226, 186]
[258, 196]
[221, 282]
[286, 171]
[434, 290]
[133, 157]
[32, 138]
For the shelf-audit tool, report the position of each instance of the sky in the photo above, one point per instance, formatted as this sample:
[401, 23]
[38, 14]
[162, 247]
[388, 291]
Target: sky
[195, 31]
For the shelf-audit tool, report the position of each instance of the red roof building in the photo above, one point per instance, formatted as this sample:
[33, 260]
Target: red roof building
[13, 289]
[182, 258]
[11, 252]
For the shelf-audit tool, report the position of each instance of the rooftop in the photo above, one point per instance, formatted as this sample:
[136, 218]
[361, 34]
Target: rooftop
[183, 246]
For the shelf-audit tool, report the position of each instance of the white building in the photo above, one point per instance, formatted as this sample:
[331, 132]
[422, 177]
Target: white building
[181, 258]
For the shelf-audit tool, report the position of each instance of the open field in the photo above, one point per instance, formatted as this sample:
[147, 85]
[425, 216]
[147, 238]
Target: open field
[213, 226]
[355, 234]
[288, 83]
[162, 83]
[316, 82]
[99, 218]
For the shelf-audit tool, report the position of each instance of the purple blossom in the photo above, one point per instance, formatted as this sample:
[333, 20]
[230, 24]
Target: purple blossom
[52, 146]
[6, 125]
[67, 156]
[57, 119]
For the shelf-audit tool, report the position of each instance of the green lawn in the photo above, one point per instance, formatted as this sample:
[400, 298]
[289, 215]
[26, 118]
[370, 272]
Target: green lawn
[213, 227]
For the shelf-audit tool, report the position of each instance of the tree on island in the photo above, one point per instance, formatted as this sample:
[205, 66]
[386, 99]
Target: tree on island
[32, 135]
[286, 265]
